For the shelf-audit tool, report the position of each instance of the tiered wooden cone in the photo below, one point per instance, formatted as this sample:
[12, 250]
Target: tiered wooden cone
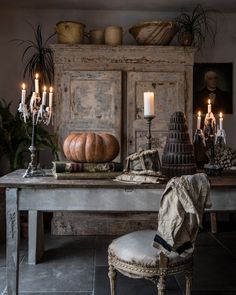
[178, 156]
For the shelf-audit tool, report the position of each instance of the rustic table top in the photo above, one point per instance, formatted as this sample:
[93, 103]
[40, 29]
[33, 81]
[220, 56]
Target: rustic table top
[15, 180]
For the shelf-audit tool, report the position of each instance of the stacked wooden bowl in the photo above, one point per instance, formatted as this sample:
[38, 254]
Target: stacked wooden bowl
[178, 156]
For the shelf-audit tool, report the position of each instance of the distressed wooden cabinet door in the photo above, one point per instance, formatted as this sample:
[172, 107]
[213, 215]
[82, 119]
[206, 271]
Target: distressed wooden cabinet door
[89, 101]
[169, 91]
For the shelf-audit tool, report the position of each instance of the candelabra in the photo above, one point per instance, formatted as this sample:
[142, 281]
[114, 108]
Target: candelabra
[149, 134]
[38, 113]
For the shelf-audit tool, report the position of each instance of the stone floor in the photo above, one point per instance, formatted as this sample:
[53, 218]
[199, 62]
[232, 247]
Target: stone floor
[78, 265]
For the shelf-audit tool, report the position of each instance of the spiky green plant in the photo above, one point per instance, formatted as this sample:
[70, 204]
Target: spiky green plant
[37, 57]
[15, 137]
[199, 23]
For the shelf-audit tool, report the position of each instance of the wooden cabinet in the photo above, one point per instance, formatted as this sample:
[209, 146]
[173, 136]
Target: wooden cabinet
[100, 88]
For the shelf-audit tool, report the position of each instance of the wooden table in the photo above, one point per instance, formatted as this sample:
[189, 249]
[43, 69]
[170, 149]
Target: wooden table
[36, 195]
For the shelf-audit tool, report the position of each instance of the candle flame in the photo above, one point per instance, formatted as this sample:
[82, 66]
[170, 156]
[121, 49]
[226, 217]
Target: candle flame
[51, 89]
[199, 114]
[36, 76]
[209, 101]
[23, 86]
[44, 88]
[221, 115]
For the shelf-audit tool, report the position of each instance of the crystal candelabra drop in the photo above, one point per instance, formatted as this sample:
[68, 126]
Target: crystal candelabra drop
[38, 112]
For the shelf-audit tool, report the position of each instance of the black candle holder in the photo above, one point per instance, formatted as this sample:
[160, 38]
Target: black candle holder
[149, 134]
[200, 149]
[211, 168]
[34, 169]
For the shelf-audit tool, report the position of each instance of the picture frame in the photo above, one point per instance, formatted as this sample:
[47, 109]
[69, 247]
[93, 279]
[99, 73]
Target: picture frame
[213, 81]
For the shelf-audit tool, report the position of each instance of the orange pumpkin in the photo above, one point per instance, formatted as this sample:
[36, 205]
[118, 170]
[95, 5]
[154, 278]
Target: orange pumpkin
[90, 147]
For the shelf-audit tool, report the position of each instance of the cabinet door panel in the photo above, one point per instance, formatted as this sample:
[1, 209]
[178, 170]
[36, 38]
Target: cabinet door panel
[90, 101]
[169, 97]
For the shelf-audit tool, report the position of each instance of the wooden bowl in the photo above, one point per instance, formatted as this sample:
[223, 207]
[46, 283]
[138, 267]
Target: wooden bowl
[154, 33]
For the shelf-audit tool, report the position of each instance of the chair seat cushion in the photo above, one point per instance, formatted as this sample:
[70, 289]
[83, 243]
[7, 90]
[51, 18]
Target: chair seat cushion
[136, 247]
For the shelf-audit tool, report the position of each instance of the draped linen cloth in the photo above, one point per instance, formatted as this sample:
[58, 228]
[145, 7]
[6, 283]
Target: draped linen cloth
[180, 215]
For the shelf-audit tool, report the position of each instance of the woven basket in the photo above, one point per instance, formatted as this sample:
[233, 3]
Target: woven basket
[153, 33]
[178, 156]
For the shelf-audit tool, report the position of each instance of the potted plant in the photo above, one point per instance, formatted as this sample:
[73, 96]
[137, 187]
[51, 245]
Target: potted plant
[195, 27]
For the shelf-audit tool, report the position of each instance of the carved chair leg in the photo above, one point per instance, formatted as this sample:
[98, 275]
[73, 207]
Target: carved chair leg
[163, 266]
[112, 276]
[189, 279]
[161, 286]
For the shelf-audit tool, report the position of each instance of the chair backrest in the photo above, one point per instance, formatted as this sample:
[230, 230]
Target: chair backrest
[180, 215]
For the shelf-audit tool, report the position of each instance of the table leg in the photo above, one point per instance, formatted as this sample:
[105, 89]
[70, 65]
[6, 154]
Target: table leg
[36, 236]
[12, 262]
[213, 217]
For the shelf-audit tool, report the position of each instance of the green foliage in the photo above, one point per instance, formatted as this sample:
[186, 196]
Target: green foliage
[199, 23]
[15, 137]
[37, 57]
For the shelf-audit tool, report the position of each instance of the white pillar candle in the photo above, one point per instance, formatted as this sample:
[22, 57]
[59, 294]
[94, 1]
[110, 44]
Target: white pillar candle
[221, 121]
[23, 94]
[36, 83]
[199, 120]
[44, 96]
[209, 106]
[148, 99]
[50, 96]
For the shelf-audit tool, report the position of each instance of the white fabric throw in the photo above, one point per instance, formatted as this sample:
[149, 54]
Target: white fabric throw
[180, 215]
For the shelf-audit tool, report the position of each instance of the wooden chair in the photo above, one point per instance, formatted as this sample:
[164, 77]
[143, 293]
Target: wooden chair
[134, 256]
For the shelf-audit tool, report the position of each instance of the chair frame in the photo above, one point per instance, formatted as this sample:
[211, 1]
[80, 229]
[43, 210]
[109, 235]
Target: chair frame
[156, 273]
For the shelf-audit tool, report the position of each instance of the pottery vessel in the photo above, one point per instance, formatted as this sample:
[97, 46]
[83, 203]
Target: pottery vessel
[154, 33]
[69, 32]
[96, 36]
[113, 35]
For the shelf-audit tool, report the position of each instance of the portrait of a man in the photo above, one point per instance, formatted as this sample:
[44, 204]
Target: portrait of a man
[213, 81]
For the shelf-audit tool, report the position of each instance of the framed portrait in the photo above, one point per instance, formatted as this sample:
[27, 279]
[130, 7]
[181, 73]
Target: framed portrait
[213, 81]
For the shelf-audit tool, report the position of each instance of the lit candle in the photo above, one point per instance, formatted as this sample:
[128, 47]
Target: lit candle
[148, 99]
[23, 94]
[36, 83]
[199, 120]
[44, 96]
[50, 96]
[209, 106]
[221, 121]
